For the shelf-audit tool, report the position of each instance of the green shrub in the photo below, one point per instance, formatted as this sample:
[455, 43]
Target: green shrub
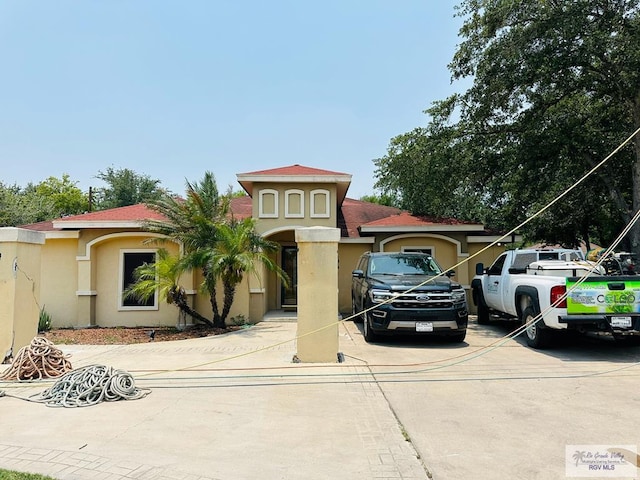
[238, 321]
[44, 322]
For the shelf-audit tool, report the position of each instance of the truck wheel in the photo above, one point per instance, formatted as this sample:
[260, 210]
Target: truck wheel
[483, 313]
[369, 335]
[355, 312]
[536, 334]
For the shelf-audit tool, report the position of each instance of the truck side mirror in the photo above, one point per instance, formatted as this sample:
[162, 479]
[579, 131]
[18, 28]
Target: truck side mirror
[357, 274]
[479, 269]
[449, 273]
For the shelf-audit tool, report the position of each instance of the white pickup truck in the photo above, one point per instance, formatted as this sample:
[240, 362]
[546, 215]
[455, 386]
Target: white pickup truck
[524, 283]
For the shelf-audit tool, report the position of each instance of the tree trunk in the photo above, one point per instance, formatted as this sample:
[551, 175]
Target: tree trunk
[184, 307]
[634, 233]
[229, 294]
[218, 319]
[585, 236]
[180, 300]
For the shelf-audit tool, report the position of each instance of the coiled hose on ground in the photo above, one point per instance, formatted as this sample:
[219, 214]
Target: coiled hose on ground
[40, 359]
[91, 385]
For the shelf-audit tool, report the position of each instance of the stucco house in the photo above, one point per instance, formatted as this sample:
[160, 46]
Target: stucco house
[87, 260]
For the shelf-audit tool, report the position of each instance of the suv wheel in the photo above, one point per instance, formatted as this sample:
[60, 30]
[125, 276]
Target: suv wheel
[458, 337]
[356, 316]
[369, 335]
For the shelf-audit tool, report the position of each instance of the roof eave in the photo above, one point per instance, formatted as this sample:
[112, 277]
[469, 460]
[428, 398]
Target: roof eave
[423, 228]
[61, 234]
[494, 239]
[365, 240]
[61, 224]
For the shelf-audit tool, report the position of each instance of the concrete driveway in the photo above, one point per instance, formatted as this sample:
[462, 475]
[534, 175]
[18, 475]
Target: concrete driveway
[235, 407]
[476, 412]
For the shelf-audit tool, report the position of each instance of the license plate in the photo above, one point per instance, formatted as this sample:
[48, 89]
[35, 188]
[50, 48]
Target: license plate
[620, 321]
[424, 327]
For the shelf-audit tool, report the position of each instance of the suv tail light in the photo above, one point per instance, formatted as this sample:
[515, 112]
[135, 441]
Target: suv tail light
[556, 294]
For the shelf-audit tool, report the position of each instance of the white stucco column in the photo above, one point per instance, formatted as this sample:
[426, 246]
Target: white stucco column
[317, 294]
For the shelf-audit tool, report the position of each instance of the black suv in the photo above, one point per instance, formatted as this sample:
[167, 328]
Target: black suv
[407, 293]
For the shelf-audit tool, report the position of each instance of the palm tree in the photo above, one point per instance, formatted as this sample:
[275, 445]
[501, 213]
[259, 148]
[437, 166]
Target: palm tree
[192, 221]
[223, 248]
[239, 249]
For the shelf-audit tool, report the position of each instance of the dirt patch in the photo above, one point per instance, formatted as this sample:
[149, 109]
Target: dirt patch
[127, 336]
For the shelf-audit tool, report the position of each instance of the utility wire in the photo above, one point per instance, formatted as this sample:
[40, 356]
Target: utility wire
[454, 360]
[479, 351]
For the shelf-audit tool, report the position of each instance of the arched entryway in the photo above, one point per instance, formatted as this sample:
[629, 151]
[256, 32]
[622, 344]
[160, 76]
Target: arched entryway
[281, 296]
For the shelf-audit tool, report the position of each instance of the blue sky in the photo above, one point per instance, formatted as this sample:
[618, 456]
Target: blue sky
[171, 89]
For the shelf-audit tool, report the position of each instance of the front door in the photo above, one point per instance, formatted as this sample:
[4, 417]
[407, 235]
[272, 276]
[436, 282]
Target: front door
[290, 266]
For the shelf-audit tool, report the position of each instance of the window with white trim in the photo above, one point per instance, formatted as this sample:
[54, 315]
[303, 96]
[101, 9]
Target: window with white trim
[129, 261]
[294, 203]
[320, 203]
[268, 203]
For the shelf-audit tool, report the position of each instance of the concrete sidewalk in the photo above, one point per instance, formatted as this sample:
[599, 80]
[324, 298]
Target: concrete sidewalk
[225, 407]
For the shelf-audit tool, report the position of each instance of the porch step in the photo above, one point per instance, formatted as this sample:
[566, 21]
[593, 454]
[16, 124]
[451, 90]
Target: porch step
[284, 316]
[280, 316]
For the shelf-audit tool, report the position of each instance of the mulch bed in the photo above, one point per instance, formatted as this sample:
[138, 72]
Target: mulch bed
[127, 336]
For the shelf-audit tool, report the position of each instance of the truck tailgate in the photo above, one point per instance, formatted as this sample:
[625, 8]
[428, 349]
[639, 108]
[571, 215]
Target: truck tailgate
[604, 295]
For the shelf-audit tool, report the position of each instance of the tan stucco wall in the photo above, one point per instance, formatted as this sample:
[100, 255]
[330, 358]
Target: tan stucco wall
[264, 225]
[20, 252]
[348, 255]
[486, 257]
[60, 281]
[106, 259]
[444, 250]
[240, 306]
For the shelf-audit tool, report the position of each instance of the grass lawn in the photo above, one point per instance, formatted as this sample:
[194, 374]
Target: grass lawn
[11, 475]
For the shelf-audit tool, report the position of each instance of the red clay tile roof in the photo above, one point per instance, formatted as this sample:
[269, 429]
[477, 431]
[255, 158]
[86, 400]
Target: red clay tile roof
[296, 173]
[241, 207]
[294, 170]
[405, 219]
[352, 215]
[355, 213]
[45, 226]
[130, 213]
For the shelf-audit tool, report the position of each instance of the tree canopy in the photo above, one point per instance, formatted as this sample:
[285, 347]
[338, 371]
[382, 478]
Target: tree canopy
[49, 199]
[555, 88]
[125, 187]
